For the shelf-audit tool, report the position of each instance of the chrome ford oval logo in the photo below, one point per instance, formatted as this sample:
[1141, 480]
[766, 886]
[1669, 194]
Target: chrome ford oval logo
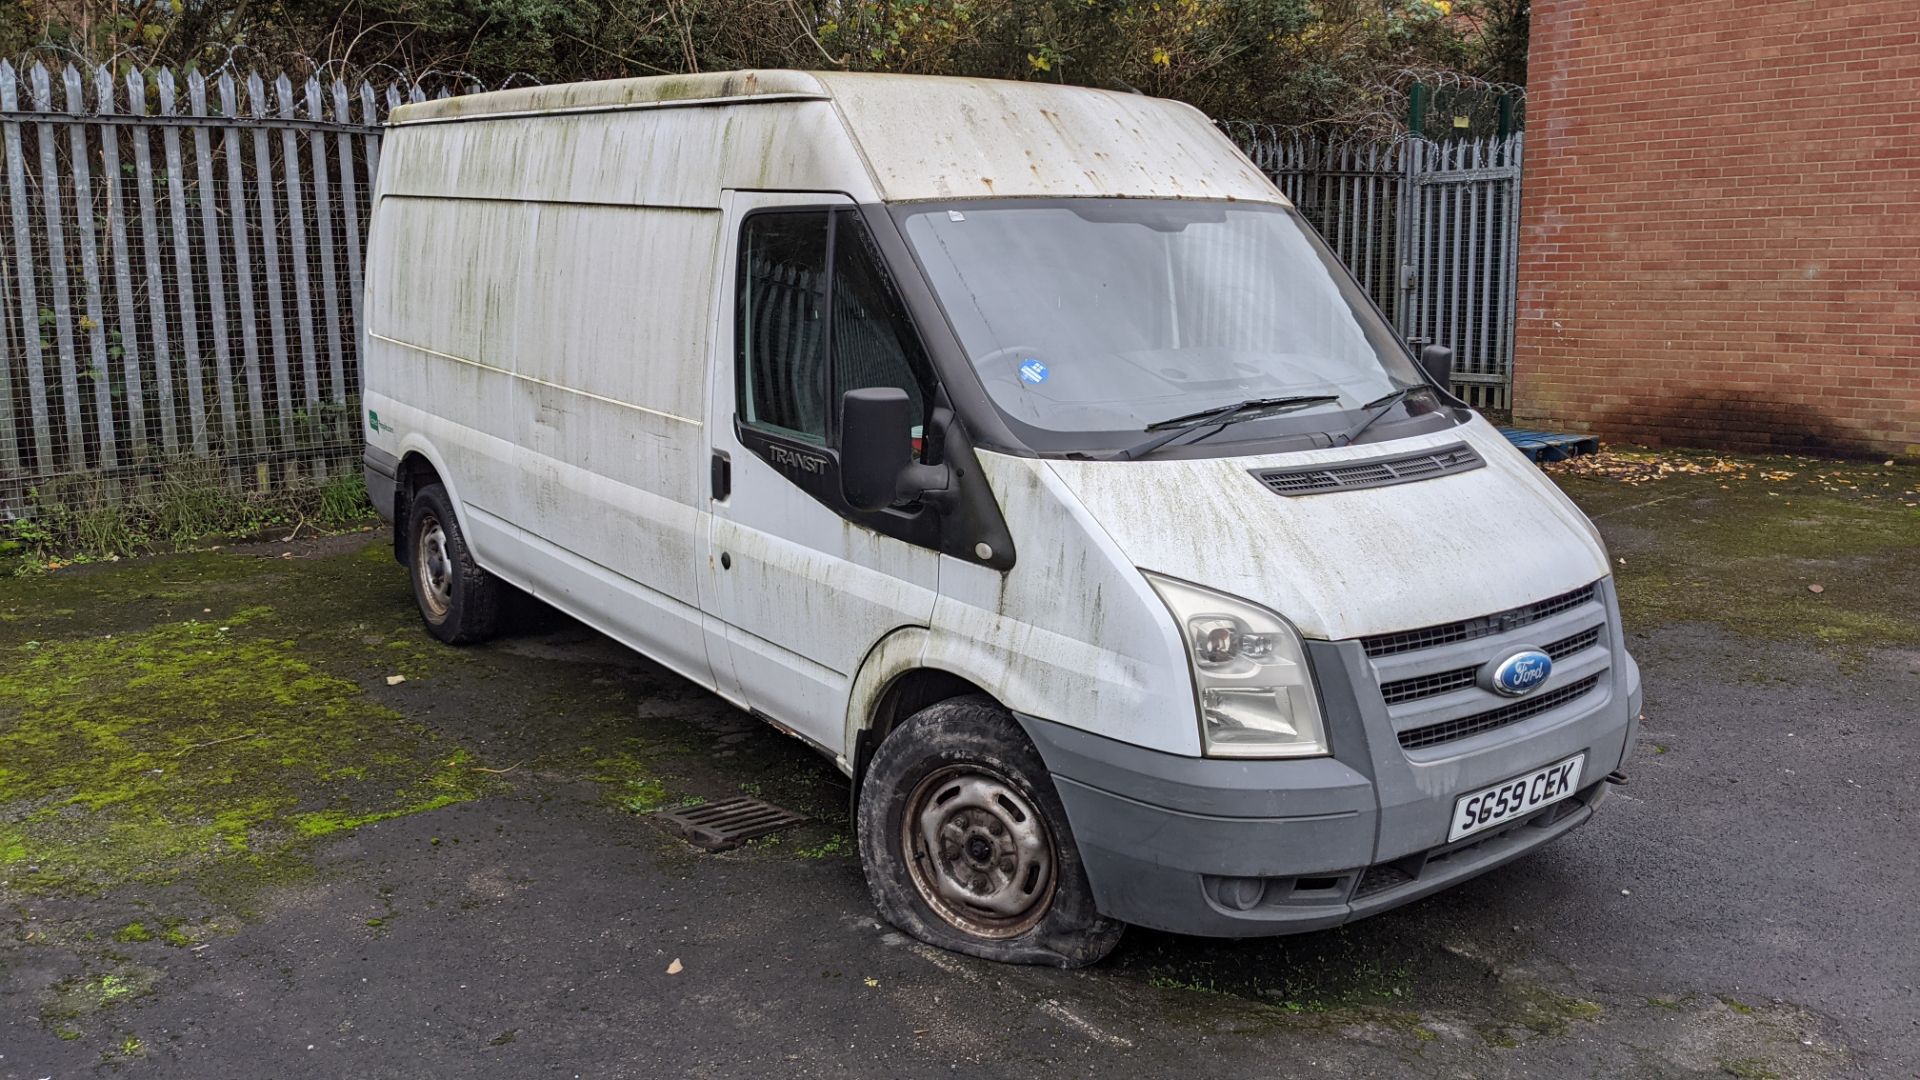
[1521, 673]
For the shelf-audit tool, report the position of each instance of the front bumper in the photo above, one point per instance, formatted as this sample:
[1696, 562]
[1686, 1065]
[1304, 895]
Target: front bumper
[1226, 848]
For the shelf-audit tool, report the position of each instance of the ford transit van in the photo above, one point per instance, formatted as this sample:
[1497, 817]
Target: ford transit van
[1018, 447]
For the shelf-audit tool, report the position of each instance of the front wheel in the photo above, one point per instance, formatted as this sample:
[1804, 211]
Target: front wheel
[966, 845]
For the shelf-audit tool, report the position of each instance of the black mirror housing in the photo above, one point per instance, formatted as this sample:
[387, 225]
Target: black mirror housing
[877, 469]
[876, 445]
[1437, 360]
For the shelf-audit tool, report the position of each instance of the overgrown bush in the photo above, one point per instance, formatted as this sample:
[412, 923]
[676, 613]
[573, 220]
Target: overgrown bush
[1290, 61]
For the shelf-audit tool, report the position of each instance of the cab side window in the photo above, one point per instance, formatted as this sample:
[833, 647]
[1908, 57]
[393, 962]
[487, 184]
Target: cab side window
[818, 316]
[781, 339]
[873, 340]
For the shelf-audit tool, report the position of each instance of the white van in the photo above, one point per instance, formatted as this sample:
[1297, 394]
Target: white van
[1020, 448]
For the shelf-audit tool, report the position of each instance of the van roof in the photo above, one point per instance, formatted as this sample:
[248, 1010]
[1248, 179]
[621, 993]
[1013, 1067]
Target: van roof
[704, 88]
[934, 137]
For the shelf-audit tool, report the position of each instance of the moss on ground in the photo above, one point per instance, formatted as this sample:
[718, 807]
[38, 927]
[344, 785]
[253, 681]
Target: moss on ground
[629, 772]
[209, 746]
[1789, 549]
[73, 1001]
[1529, 1010]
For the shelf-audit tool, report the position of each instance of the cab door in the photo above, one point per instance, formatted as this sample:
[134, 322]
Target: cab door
[799, 585]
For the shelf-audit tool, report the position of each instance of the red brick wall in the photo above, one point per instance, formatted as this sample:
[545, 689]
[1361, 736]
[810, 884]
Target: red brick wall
[1720, 237]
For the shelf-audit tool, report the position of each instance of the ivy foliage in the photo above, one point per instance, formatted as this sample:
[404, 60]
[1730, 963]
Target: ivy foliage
[1289, 61]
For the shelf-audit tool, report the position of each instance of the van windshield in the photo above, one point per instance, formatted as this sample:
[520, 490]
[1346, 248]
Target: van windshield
[1087, 320]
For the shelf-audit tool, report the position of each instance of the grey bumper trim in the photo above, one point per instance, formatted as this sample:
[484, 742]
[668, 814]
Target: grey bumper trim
[1153, 828]
[1173, 868]
[1258, 848]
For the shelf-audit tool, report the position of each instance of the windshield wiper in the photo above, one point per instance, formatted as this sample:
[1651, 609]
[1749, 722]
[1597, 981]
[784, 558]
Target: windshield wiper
[1175, 426]
[1380, 406]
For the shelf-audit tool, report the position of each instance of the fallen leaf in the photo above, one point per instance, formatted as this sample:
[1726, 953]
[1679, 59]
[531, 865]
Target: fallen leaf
[396, 680]
[1816, 588]
[675, 968]
[871, 981]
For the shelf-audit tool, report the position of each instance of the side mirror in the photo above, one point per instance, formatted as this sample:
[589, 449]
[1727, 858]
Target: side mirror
[1438, 362]
[877, 468]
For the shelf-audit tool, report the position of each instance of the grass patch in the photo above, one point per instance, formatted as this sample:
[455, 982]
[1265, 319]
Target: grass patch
[642, 796]
[835, 845]
[73, 1000]
[193, 748]
[1789, 549]
[630, 774]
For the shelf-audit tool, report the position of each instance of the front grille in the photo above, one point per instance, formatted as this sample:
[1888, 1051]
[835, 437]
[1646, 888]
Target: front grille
[1449, 730]
[1426, 686]
[1400, 691]
[1567, 646]
[1375, 472]
[1468, 629]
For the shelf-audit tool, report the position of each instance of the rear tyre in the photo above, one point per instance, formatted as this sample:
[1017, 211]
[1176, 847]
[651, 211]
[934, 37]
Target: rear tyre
[459, 602]
[966, 846]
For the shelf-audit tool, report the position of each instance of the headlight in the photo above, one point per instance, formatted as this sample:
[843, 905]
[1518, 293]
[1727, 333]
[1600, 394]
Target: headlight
[1256, 695]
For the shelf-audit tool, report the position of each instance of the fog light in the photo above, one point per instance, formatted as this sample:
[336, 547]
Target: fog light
[1241, 893]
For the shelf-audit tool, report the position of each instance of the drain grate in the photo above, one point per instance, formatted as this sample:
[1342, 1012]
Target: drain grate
[725, 825]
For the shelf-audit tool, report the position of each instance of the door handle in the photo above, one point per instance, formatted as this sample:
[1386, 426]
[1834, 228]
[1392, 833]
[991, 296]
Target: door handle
[722, 476]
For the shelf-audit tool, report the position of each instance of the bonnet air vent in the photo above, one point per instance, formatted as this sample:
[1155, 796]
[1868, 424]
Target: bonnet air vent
[1375, 472]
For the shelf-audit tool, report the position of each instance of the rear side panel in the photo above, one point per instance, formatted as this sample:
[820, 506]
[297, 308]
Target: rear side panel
[540, 313]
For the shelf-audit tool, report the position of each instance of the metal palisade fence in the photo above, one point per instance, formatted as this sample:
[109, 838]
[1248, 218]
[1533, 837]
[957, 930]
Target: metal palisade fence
[181, 260]
[1431, 230]
[180, 278]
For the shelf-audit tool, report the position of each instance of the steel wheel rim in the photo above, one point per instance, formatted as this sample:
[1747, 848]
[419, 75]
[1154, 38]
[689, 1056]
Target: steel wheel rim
[978, 851]
[435, 568]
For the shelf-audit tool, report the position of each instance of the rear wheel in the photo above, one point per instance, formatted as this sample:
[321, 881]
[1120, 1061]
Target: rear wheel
[459, 602]
[966, 846]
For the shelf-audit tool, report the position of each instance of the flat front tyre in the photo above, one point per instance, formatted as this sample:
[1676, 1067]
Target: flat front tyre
[966, 846]
[459, 602]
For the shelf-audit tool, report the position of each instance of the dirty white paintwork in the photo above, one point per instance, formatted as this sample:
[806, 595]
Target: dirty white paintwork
[1353, 563]
[549, 300]
[807, 592]
[1073, 633]
[920, 137]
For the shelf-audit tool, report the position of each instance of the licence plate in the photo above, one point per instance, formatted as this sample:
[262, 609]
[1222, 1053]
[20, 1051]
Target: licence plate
[1512, 798]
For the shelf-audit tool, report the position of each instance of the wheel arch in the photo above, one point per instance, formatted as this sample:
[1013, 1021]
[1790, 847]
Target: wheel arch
[419, 467]
[893, 684]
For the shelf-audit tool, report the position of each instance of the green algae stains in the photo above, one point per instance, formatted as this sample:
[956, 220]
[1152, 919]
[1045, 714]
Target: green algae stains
[193, 747]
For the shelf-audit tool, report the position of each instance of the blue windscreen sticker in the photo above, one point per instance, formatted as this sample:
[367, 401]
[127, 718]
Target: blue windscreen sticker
[1033, 371]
